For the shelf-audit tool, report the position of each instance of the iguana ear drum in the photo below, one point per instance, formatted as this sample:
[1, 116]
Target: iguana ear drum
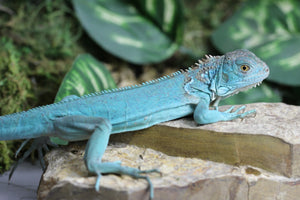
[225, 77]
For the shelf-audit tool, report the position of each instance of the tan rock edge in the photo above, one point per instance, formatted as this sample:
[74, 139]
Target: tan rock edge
[270, 140]
[182, 178]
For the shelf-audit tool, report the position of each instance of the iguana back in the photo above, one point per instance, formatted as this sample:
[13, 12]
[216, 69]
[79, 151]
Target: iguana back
[141, 106]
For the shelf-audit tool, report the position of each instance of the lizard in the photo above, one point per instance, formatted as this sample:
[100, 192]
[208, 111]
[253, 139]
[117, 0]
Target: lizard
[94, 117]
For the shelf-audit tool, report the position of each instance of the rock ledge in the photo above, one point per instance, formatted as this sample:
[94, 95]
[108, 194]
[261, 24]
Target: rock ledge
[262, 156]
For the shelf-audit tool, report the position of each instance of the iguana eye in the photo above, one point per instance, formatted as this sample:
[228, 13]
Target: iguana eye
[245, 68]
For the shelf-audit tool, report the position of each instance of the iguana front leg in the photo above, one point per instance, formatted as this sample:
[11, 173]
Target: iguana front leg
[99, 130]
[203, 115]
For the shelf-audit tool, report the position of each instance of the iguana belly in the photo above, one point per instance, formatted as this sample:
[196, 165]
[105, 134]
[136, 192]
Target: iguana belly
[152, 119]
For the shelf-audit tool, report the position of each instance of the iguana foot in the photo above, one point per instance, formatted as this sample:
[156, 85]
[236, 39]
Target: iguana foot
[38, 144]
[203, 115]
[116, 168]
[237, 114]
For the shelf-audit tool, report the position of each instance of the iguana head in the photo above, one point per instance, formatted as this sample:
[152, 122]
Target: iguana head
[241, 70]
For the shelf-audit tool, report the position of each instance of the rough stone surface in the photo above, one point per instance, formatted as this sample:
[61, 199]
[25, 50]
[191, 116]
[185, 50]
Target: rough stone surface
[269, 140]
[263, 152]
[182, 178]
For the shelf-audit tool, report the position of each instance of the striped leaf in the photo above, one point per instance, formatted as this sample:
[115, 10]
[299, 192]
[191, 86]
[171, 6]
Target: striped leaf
[140, 32]
[87, 75]
[166, 14]
[270, 29]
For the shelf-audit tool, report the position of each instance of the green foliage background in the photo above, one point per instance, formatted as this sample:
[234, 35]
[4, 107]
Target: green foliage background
[133, 30]
[270, 29]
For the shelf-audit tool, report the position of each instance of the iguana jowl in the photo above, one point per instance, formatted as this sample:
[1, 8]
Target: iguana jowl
[94, 117]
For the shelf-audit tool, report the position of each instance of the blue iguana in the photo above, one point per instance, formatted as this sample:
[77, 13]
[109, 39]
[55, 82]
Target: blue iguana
[96, 116]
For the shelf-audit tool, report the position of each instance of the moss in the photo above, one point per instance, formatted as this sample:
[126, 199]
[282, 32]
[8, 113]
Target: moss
[38, 45]
[15, 92]
[5, 158]
[15, 87]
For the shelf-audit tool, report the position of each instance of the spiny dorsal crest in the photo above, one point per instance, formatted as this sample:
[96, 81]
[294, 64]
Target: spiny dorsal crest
[201, 64]
[204, 65]
[204, 60]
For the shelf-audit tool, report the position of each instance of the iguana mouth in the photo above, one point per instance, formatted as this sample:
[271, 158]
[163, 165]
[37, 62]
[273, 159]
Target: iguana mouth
[250, 86]
[244, 89]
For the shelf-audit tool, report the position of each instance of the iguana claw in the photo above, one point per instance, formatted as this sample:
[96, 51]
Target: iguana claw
[38, 144]
[237, 113]
[135, 173]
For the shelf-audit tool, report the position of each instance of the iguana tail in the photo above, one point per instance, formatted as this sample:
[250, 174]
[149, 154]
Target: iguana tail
[23, 125]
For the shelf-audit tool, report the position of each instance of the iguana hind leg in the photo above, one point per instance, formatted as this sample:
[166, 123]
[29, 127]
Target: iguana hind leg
[99, 130]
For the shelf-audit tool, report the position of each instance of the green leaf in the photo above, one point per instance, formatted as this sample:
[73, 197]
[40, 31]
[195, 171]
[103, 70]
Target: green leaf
[270, 29]
[140, 32]
[166, 15]
[261, 94]
[87, 75]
